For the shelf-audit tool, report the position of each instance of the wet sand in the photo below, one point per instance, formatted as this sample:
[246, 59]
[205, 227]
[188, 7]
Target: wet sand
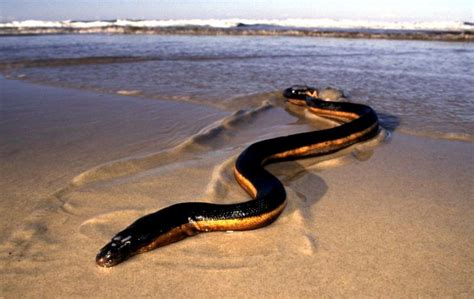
[391, 219]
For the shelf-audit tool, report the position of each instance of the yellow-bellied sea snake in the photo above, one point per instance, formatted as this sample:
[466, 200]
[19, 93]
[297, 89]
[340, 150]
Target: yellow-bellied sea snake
[179, 221]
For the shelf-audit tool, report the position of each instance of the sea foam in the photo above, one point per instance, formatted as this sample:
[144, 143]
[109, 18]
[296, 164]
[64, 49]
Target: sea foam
[235, 22]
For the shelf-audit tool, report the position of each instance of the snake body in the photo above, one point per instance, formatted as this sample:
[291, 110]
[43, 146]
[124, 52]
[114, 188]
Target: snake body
[268, 194]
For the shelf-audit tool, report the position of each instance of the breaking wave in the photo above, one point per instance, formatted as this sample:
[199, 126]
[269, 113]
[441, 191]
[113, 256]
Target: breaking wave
[229, 23]
[296, 27]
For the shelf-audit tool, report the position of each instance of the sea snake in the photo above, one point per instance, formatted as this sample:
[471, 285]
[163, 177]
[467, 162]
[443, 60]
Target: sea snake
[181, 220]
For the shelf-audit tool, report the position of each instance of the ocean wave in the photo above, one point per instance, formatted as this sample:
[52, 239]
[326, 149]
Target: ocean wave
[230, 23]
[85, 60]
[54, 62]
[446, 31]
[455, 136]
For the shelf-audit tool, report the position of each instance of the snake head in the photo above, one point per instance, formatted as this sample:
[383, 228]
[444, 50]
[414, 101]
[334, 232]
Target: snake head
[116, 251]
[300, 92]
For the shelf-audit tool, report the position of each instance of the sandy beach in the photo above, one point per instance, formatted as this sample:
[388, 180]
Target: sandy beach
[390, 218]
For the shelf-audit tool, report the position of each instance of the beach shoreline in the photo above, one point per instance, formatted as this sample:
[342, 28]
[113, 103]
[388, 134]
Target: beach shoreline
[393, 218]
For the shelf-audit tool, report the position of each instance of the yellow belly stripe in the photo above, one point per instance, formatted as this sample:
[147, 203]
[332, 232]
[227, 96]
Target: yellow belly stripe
[192, 228]
[297, 102]
[246, 223]
[318, 146]
[245, 183]
[345, 115]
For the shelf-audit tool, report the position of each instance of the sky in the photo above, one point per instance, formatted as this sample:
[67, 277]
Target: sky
[385, 10]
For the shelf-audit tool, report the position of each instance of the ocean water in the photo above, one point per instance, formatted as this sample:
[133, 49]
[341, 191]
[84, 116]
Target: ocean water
[418, 87]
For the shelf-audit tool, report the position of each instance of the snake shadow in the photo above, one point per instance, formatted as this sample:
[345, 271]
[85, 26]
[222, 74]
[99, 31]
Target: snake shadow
[303, 182]
[389, 122]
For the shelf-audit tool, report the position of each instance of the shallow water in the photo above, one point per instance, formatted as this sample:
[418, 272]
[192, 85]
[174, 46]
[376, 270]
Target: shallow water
[421, 86]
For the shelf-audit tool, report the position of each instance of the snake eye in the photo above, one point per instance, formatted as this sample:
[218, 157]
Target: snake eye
[298, 89]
